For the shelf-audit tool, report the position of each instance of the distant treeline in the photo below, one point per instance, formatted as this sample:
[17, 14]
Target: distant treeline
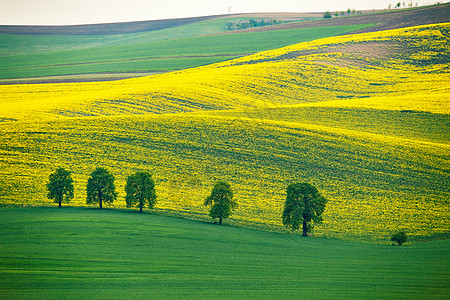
[259, 22]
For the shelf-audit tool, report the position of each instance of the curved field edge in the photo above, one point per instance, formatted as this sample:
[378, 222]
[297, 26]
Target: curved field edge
[20, 44]
[403, 69]
[48, 252]
[23, 43]
[374, 184]
[225, 45]
[413, 125]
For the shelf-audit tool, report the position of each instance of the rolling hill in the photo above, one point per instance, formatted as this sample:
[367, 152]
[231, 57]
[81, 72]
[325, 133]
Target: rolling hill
[363, 117]
[101, 52]
[158, 55]
[85, 253]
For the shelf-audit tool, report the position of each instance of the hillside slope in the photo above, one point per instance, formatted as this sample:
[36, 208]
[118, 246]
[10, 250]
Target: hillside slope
[404, 69]
[136, 53]
[365, 118]
[385, 20]
[114, 51]
[101, 29]
[91, 254]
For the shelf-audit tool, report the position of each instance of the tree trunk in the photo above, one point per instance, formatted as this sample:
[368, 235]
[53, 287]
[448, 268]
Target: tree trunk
[140, 210]
[305, 228]
[100, 200]
[220, 221]
[60, 200]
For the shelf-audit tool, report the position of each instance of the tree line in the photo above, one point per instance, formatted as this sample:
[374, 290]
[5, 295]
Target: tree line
[304, 204]
[303, 207]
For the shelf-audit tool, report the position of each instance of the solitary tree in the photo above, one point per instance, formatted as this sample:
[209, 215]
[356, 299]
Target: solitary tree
[60, 186]
[100, 187]
[140, 189]
[304, 204]
[327, 15]
[222, 202]
[399, 238]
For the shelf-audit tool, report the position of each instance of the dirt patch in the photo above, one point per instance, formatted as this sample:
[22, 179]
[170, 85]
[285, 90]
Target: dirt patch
[370, 50]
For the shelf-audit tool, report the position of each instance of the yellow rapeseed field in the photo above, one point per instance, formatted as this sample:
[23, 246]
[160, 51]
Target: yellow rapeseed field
[349, 68]
[365, 118]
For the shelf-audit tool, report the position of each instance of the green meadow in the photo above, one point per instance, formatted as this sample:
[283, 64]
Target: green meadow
[160, 55]
[77, 253]
[32, 44]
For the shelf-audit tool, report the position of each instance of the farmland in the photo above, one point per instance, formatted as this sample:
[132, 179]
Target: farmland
[86, 253]
[362, 117]
[365, 118]
[165, 55]
[57, 53]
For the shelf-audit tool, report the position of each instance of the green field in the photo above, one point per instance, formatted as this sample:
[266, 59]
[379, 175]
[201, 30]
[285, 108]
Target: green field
[51, 253]
[32, 44]
[171, 54]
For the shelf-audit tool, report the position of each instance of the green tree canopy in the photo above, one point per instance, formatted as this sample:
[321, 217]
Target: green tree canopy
[327, 15]
[304, 204]
[222, 202]
[140, 189]
[100, 187]
[60, 186]
[399, 238]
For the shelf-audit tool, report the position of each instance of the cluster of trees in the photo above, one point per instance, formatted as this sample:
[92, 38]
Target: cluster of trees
[327, 14]
[403, 4]
[100, 188]
[252, 23]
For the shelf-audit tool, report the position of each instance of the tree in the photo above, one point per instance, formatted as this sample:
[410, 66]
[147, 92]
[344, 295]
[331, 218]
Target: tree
[222, 202]
[327, 15]
[100, 187]
[399, 238]
[304, 204]
[60, 186]
[140, 189]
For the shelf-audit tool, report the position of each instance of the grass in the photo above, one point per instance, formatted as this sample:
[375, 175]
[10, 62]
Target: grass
[33, 44]
[140, 65]
[51, 253]
[33, 65]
